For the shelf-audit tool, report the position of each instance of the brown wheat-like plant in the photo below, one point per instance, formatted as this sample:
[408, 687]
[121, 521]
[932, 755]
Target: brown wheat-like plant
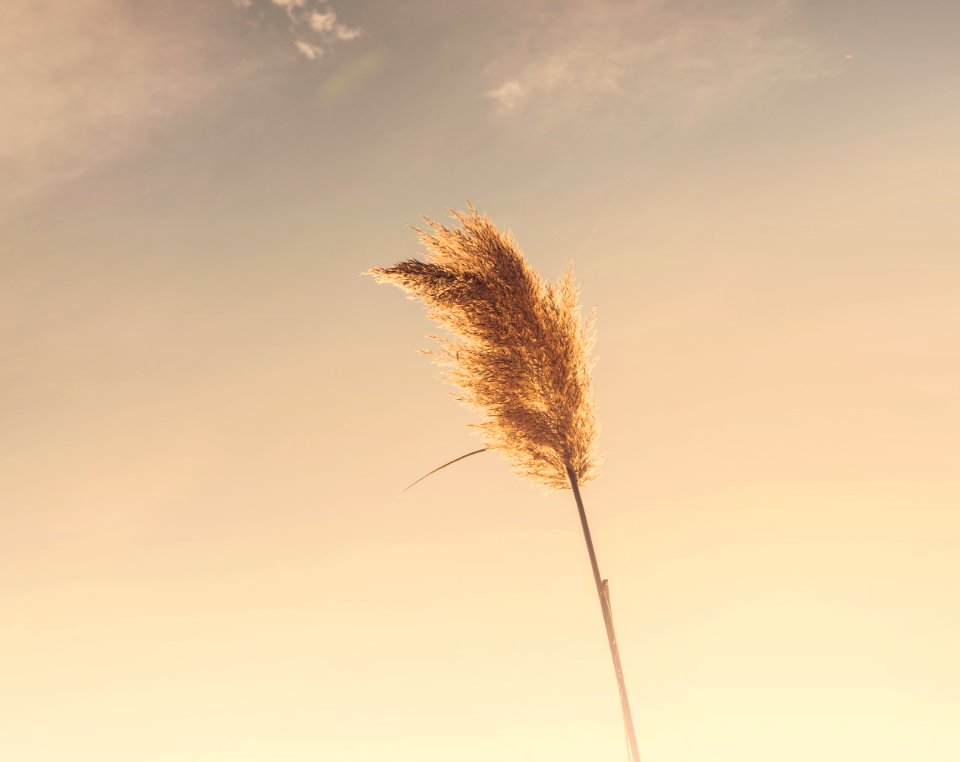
[518, 351]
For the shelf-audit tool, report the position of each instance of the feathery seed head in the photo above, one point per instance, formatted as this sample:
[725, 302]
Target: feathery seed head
[519, 351]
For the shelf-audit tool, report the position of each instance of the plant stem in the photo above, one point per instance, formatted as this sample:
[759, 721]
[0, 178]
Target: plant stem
[607, 621]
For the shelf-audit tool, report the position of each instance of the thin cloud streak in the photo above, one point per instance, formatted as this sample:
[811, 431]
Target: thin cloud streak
[688, 59]
[93, 81]
[86, 83]
[508, 95]
[310, 51]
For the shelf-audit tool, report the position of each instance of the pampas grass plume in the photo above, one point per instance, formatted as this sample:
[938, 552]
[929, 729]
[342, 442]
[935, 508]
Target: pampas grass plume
[518, 350]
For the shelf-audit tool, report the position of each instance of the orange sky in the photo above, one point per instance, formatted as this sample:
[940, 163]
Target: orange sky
[207, 415]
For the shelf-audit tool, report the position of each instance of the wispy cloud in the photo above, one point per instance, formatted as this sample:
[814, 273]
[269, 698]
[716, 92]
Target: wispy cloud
[508, 95]
[322, 22]
[687, 58]
[289, 4]
[88, 82]
[313, 24]
[346, 33]
[310, 51]
[93, 81]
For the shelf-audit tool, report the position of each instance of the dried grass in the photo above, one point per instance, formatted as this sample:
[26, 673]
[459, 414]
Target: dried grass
[519, 348]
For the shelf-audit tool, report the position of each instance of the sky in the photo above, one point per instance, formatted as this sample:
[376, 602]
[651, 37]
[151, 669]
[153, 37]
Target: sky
[207, 415]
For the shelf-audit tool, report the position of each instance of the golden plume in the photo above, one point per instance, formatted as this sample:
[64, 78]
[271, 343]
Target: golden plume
[519, 351]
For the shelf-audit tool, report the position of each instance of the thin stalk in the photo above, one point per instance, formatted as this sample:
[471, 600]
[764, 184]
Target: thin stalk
[607, 621]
